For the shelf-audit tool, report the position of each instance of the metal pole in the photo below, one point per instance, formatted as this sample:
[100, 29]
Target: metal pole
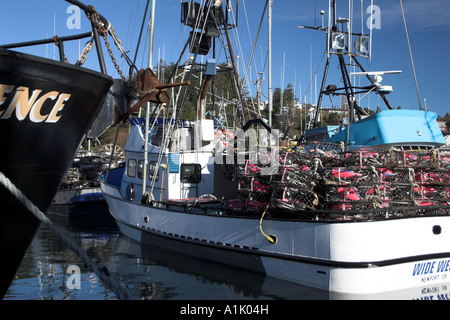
[45, 41]
[98, 45]
[270, 62]
[147, 113]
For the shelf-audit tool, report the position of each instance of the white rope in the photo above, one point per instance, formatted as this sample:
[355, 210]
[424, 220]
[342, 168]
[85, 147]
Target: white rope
[103, 273]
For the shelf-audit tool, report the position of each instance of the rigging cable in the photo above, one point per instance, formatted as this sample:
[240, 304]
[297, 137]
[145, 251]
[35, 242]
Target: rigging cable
[312, 78]
[144, 18]
[254, 43]
[240, 84]
[410, 54]
[191, 71]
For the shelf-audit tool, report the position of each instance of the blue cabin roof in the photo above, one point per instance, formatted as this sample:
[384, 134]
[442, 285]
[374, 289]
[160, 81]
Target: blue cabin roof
[398, 127]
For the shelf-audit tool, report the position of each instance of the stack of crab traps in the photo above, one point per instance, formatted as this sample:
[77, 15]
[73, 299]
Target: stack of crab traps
[322, 179]
[388, 178]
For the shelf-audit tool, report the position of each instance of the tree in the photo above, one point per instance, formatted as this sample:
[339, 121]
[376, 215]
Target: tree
[288, 96]
[276, 101]
[331, 119]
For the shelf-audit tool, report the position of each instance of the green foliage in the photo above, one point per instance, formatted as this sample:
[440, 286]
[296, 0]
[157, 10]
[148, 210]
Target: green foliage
[331, 119]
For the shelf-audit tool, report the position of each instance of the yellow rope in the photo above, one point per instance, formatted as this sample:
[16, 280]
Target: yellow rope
[260, 226]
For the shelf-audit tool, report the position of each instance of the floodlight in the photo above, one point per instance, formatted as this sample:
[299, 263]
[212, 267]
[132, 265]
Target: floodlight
[362, 44]
[338, 41]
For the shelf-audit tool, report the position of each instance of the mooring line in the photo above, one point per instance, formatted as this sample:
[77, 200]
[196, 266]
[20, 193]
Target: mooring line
[102, 272]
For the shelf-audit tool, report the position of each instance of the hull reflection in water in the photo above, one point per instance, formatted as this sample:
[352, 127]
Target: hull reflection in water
[153, 274]
[146, 272]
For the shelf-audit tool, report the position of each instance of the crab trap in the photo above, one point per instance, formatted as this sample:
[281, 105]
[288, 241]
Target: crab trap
[321, 180]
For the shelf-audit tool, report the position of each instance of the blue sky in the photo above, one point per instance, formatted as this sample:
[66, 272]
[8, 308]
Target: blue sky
[428, 25]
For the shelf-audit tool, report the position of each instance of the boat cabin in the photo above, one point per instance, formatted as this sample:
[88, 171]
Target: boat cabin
[181, 170]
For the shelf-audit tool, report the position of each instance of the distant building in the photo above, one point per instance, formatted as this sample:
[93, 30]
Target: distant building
[442, 125]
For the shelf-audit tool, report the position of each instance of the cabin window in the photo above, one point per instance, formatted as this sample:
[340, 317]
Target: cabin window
[152, 167]
[140, 169]
[156, 135]
[131, 169]
[191, 173]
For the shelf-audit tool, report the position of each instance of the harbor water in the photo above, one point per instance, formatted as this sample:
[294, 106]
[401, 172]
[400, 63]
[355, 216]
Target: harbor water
[150, 274]
[47, 271]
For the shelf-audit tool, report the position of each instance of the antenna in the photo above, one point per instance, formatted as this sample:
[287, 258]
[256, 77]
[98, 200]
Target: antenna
[375, 78]
[375, 73]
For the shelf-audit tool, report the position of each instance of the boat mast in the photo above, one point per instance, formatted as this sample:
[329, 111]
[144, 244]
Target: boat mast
[147, 112]
[269, 17]
[208, 22]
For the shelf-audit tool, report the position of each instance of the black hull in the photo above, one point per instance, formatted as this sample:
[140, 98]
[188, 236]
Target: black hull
[39, 139]
[85, 209]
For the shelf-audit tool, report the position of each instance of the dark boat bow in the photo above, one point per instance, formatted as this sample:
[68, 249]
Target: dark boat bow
[46, 109]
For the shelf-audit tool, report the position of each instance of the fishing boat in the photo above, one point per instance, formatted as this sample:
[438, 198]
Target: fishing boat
[47, 108]
[79, 192]
[350, 221]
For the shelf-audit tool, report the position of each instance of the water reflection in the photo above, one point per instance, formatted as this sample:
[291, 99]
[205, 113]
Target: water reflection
[152, 273]
[182, 277]
[148, 273]
[42, 274]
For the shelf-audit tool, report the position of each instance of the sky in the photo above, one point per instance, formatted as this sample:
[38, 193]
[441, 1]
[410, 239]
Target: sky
[296, 53]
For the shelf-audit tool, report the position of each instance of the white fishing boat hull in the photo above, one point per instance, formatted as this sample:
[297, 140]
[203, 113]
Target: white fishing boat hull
[345, 257]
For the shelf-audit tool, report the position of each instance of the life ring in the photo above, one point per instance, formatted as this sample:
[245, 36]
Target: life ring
[222, 135]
